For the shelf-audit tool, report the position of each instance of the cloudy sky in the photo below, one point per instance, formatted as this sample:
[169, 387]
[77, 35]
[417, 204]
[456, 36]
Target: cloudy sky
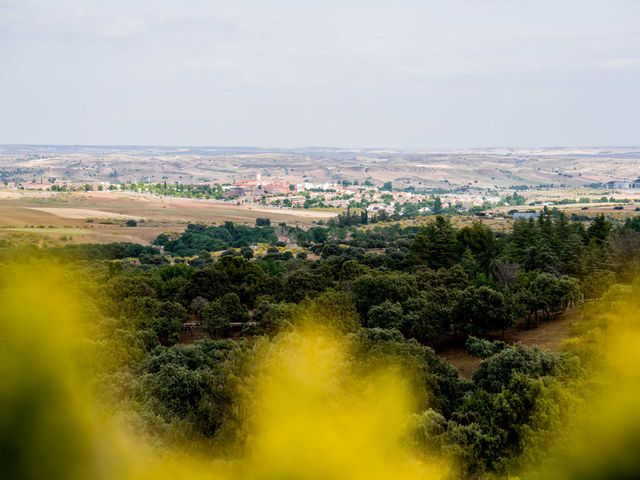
[398, 73]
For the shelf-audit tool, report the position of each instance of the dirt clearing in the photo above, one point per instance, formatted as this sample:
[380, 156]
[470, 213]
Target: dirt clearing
[81, 213]
[549, 335]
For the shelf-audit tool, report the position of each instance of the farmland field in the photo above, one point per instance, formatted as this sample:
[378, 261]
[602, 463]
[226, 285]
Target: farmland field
[100, 217]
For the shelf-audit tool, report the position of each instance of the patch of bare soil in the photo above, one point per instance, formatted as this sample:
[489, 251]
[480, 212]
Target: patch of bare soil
[82, 213]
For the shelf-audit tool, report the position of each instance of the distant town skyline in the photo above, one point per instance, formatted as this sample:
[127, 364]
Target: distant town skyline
[353, 74]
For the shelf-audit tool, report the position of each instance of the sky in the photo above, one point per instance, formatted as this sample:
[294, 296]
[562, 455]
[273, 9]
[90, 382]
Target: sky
[413, 74]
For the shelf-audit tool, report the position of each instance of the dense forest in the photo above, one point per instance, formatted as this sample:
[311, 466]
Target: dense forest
[186, 324]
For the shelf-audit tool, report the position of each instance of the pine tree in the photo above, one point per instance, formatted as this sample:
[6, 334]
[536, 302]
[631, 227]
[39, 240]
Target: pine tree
[437, 245]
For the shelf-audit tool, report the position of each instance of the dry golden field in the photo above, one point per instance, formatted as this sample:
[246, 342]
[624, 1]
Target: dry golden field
[100, 217]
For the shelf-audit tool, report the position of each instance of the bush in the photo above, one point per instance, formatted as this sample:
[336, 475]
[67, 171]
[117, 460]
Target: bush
[496, 372]
[479, 347]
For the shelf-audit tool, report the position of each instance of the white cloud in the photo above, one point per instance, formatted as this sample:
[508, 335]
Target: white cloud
[632, 63]
[431, 72]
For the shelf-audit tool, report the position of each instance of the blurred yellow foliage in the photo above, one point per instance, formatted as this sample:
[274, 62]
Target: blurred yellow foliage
[308, 414]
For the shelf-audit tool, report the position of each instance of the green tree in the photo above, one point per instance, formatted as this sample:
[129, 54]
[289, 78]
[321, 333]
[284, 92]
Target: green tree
[385, 315]
[302, 283]
[496, 372]
[599, 230]
[170, 317]
[373, 289]
[470, 264]
[553, 294]
[318, 234]
[481, 310]
[220, 313]
[480, 241]
[332, 309]
[274, 317]
[437, 206]
[427, 316]
[436, 245]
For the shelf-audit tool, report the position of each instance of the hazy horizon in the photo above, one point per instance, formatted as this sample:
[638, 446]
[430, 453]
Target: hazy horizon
[514, 148]
[409, 75]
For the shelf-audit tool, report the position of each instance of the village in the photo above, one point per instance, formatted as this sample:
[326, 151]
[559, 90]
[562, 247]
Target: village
[375, 198]
[265, 190]
[279, 193]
